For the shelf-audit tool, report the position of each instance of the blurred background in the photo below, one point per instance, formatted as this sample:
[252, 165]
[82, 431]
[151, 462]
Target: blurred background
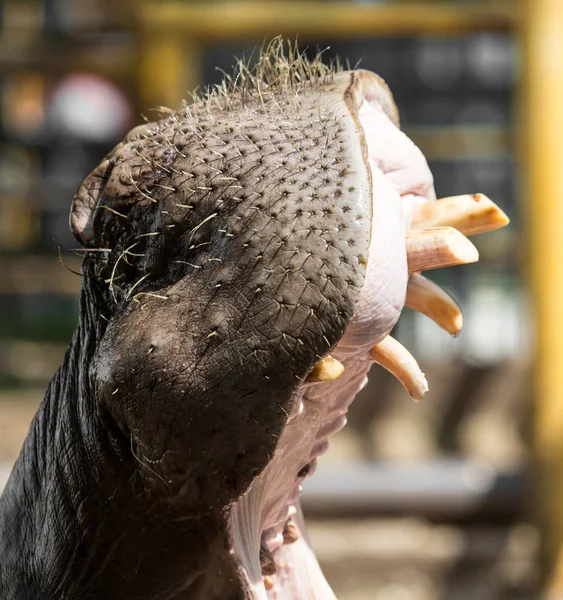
[443, 500]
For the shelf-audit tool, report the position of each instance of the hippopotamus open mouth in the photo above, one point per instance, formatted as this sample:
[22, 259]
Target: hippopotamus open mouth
[246, 259]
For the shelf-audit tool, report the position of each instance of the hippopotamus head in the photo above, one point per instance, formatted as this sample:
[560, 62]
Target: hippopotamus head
[245, 260]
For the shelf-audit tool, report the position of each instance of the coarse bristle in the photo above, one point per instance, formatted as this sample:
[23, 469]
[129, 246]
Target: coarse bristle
[276, 70]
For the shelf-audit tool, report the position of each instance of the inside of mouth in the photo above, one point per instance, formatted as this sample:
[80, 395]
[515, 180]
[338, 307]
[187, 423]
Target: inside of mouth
[266, 524]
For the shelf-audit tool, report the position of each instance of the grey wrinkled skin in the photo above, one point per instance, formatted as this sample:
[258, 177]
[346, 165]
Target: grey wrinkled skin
[226, 247]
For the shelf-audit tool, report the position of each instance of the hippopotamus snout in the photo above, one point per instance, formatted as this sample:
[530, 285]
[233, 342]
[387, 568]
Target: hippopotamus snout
[253, 252]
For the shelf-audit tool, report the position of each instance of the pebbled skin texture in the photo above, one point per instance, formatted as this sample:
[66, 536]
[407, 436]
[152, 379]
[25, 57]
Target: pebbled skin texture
[256, 271]
[226, 249]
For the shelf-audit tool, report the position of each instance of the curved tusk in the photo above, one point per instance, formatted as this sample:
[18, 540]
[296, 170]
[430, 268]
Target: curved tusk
[327, 369]
[471, 214]
[396, 359]
[438, 247]
[431, 300]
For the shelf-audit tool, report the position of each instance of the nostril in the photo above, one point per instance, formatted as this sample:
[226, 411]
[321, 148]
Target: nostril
[304, 471]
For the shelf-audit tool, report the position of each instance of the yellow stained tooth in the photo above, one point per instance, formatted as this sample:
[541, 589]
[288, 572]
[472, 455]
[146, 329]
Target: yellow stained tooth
[430, 299]
[327, 369]
[269, 581]
[470, 214]
[396, 359]
[438, 247]
[290, 532]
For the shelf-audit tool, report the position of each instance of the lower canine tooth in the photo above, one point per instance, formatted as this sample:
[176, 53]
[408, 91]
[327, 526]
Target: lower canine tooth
[290, 532]
[327, 369]
[438, 247]
[470, 214]
[430, 299]
[267, 562]
[269, 581]
[396, 359]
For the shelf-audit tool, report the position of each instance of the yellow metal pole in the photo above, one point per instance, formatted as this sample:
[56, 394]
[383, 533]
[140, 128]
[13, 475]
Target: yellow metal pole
[226, 19]
[173, 31]
[170, 67]
[543, 53]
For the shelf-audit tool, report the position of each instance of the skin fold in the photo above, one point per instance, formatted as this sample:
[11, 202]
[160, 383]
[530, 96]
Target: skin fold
[228, 247]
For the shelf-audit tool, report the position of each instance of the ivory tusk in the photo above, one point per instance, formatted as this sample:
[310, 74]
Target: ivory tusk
[327, 369]
[431, 300]
[396, 359]
[438, 247]
[471, 214]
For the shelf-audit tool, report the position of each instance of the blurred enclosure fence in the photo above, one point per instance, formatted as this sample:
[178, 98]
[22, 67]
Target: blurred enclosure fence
[476, 86]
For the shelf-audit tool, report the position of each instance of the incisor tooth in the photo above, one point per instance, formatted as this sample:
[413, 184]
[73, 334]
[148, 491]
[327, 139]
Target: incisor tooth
[430, 299]
[470, 214]
[269, 581]
[396, 359]
[438, 247]
[327, 369]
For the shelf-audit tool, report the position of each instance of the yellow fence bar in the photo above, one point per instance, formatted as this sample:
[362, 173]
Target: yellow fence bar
[170, 68]
[543, 90]
[174, 32]
[212, 21]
